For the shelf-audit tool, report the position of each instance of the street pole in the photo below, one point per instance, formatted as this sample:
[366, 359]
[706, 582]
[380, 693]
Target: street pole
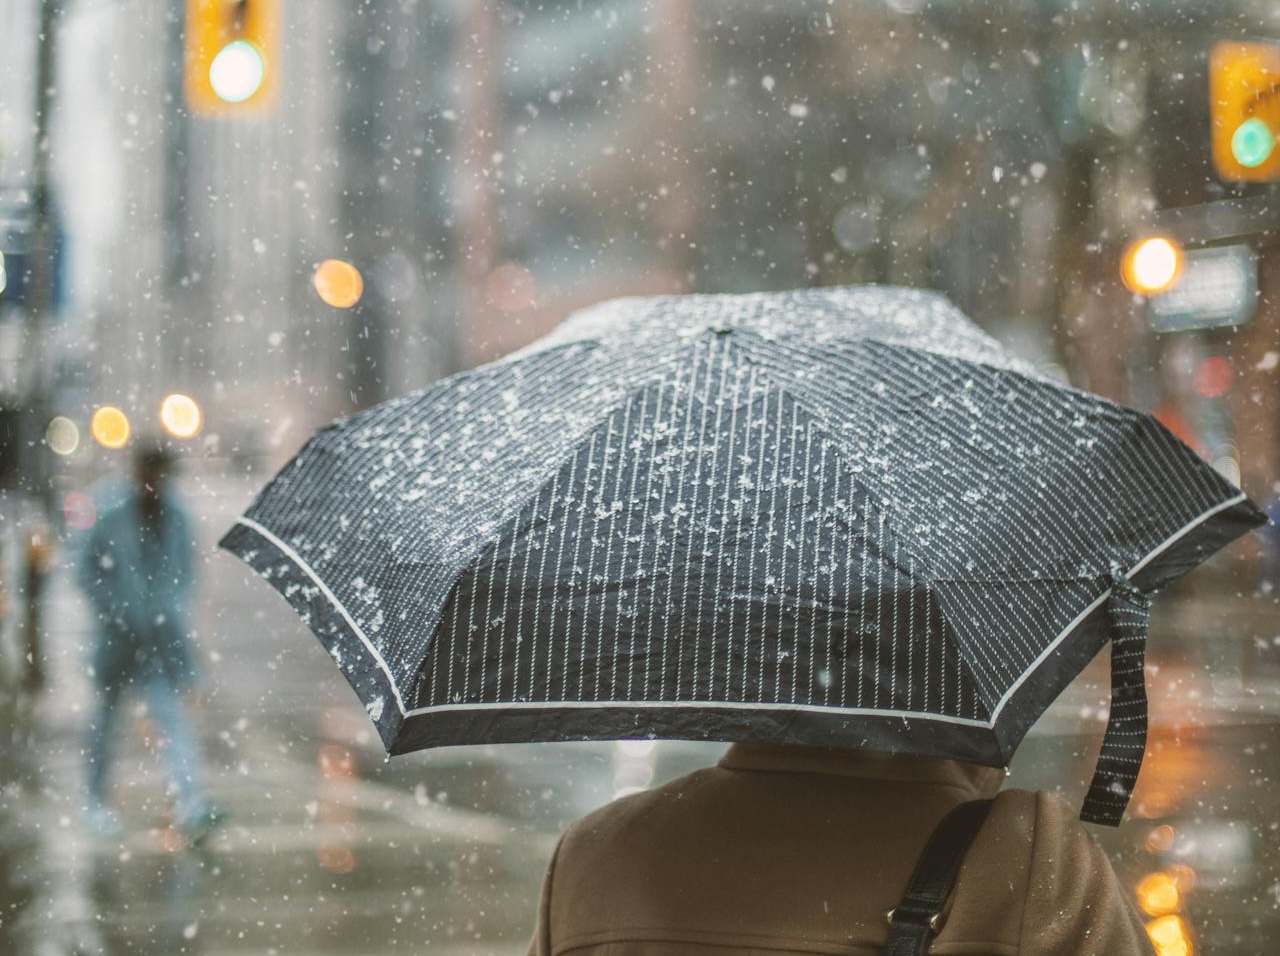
[34, 474]
[673, 42]
[34, 469]
[478, 66]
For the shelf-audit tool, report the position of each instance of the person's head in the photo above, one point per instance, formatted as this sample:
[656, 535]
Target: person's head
[152, 462]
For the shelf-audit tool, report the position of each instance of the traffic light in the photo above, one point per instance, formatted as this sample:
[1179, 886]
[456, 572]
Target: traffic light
[1244, 110]
[232, 56]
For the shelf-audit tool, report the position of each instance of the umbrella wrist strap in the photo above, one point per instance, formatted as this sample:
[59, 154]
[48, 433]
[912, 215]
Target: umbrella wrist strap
[914, 921]
[1125, 740]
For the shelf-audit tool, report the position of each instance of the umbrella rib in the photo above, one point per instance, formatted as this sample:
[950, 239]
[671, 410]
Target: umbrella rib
[542, 571]
[697, 485]
[817, 557]
[662, 517]
[819, 393]
[585, 513]
[800, 573]
[559, 560]
[802, 399]
[626, 537]
[724, 514]
[608, 555]
[784, 653]
[862, 589]
[706, 527]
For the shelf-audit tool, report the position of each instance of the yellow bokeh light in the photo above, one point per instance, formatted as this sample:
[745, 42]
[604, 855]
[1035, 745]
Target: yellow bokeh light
[62, 436]
[338, 283]
[1152, 265]
[110, 427]
[1170, 936]
[180, 416]
[1158, 894]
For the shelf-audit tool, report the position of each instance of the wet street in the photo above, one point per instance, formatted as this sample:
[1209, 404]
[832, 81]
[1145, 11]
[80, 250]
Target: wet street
[330, 848]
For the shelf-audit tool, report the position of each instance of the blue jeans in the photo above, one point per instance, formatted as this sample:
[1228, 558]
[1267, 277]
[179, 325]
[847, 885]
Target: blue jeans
[179, 747]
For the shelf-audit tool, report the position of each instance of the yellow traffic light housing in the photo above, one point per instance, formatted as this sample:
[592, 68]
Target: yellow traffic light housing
[231, 56]
[1244, 110]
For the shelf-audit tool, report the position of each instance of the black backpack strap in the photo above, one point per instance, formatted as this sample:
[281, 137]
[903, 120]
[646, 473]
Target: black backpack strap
[915, 921]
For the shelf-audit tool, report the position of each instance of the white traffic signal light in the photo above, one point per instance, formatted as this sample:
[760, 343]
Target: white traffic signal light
[1151, 265]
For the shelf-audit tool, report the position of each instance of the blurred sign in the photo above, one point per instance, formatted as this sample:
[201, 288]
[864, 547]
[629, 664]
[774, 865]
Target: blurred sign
[10, 445]
[1219, 287]
[1244, 109]
[13, 276]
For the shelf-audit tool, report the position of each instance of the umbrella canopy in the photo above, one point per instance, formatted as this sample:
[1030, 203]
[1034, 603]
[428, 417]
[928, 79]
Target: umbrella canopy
[836, 517]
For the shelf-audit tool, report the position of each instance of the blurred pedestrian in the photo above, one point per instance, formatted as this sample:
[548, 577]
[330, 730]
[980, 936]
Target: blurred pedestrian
[805, 850]
[137, 569]
[37, 560]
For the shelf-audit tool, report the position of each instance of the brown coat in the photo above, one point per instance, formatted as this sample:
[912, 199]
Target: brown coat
[781, 850]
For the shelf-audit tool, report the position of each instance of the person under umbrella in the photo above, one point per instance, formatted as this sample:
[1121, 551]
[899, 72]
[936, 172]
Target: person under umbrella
[791, 849]
[832, 518]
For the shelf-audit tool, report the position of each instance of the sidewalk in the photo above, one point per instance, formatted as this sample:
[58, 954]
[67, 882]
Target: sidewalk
[329, 850]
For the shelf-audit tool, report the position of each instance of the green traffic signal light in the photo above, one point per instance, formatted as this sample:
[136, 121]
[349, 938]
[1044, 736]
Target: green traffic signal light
[1252, 143]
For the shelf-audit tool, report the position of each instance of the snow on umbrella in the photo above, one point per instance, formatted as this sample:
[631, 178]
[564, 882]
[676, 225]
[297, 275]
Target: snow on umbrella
[837, 517]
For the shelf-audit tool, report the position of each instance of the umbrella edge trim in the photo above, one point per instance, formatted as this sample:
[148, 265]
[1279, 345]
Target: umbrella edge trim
[297, 559]
[302, 565]
[698, 705]
[1098, 601]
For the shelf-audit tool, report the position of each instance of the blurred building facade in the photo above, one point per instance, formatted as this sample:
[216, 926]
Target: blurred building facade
[491, 166]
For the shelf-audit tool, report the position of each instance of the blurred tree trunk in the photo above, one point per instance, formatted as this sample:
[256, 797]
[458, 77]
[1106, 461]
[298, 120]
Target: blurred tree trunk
[1256, 399]
[479, 97]
[678, 177]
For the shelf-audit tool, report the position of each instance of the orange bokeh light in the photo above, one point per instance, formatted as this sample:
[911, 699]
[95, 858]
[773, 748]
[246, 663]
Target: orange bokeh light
[336, 859]
[1158, 894]
[338, 283]
[1152, 265]
[336, 761]
[1160, 839]
[110, 427]
[1170, 936]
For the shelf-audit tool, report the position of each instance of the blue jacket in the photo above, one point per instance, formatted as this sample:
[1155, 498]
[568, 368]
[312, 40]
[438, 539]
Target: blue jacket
[139, 585]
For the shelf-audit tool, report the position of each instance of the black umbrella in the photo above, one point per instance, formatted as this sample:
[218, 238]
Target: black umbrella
[839, 517]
